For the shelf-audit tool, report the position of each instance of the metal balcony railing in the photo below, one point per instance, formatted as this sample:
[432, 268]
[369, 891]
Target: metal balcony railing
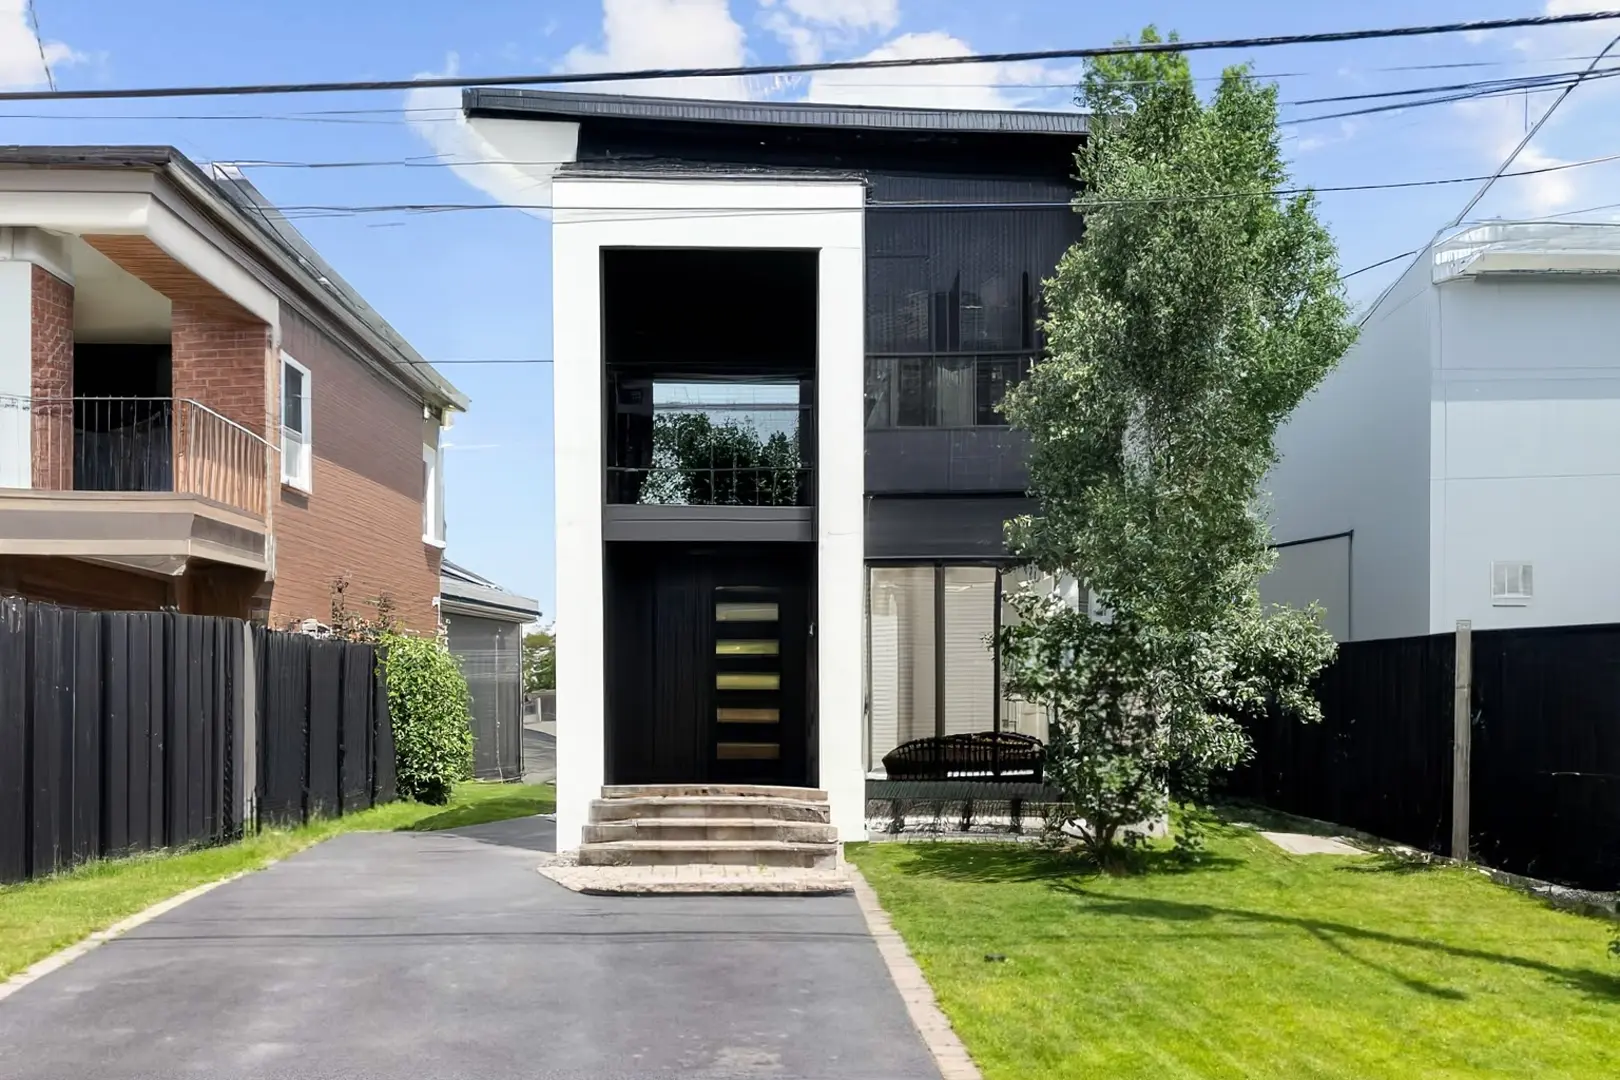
[135, 444]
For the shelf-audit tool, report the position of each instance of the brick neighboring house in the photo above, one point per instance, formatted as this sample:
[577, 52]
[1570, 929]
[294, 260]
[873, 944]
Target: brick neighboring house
[196, 411]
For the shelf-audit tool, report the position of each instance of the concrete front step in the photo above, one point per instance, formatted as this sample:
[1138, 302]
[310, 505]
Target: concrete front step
[709, 853]
[708, 807]
[757, 829]
[699, 880]
[740, 791]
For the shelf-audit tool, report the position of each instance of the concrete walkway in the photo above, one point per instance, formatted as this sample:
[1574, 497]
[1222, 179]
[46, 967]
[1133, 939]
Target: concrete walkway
[445, 955]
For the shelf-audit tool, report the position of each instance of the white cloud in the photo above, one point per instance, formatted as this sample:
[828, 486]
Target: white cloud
[1347, 130]
[950, 86]
[666, 33]
[20, 62]
[1582, 127]
[879, 15]
[435, 114]
[812, 28]
[703, 33]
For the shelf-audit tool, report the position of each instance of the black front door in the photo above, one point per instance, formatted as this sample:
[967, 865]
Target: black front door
[759, 634]
[708, 675]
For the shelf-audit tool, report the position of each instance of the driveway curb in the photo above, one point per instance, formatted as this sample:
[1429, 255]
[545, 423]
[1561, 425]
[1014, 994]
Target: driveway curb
[949, 1054]
[40, 968]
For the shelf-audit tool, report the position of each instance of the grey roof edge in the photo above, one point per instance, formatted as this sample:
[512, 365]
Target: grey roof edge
[233, 200]
[585, 106]
[254, 207]
[463, 589]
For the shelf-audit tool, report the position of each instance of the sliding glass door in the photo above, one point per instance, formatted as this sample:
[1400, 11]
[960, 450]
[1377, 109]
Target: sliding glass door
[931, 664]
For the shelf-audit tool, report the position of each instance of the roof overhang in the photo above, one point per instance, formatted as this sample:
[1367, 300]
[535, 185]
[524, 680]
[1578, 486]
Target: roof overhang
[158, 193]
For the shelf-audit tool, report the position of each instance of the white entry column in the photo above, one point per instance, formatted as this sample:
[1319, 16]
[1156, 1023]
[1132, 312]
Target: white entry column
[592, 213]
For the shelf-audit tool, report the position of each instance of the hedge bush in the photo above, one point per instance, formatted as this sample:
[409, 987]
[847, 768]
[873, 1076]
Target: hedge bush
[431, 710]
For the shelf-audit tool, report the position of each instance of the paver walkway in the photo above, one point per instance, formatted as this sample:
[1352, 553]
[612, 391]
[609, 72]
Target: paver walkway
[445, 955]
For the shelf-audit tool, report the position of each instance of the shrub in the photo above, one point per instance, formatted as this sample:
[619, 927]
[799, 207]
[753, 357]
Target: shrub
[432, 716]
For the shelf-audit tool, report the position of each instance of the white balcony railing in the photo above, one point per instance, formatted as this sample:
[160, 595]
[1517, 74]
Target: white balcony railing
[133, 444]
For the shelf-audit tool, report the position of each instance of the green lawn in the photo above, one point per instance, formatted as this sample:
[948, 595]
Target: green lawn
[39, 917]
[1255, 964]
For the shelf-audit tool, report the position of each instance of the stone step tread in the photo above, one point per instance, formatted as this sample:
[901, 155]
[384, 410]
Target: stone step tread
[713, 845]
[714, 823]
[739, 791]
[717, 801]
[698, 880]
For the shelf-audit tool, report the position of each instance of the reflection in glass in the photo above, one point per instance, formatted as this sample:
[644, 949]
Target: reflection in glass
[747, 751]
[748, 680]
[736, 611]
[747, 716]
[746, 648]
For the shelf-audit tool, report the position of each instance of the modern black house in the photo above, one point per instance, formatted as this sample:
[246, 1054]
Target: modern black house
[782, 332]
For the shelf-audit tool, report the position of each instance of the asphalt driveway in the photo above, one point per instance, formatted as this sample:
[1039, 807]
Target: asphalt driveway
[445, 955]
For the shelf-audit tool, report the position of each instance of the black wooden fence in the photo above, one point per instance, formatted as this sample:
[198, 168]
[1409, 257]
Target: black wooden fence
[1545, 732]
[126, 731]
[327, 746]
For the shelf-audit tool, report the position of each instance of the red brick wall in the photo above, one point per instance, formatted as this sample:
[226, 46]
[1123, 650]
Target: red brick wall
[52, 378]
[364, 517]
[222, 363]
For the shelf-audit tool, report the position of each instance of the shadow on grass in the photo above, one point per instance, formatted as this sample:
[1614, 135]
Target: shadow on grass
[483, 812]
[1392, 862]
[1338, 937]
[993, 863]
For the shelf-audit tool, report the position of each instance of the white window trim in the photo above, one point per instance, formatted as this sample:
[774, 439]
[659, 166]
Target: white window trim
[433, 497]
[303, 480]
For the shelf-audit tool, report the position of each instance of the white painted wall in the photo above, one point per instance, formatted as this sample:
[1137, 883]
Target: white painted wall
[1354, 458]
[1526, 463]
[591, 214]
[16, 373]
[1314, 572]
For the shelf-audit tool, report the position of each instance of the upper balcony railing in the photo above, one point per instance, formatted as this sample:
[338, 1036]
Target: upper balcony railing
[133, 444]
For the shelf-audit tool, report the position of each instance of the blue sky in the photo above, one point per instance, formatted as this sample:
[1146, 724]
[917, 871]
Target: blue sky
[476, 285]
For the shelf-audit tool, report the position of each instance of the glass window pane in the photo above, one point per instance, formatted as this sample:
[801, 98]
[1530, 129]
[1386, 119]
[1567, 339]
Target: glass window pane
[953, 392]
[747, 716]
[900, 657]
[914, 392]
[1016, 715]
[746, 751]
[292, 398]
[746, 648]
[734, 611]
[970, 679]
[879, 392]
[748, 680]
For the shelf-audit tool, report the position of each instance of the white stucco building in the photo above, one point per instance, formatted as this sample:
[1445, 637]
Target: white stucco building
[1463, 461]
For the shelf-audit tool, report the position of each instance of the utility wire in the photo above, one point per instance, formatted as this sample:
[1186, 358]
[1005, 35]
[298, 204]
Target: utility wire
[646, 74]
[39, 40]
[645, 213]
[1531, 134]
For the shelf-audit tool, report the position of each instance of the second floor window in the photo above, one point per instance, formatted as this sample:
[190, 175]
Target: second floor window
[940, 391]
[297, 449]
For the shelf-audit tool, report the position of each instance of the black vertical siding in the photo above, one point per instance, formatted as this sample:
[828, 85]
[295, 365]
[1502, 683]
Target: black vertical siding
[119, 732]
[1545, 732]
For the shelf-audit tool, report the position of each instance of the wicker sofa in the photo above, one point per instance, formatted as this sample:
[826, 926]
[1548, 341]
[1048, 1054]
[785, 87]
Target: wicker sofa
[981, 755]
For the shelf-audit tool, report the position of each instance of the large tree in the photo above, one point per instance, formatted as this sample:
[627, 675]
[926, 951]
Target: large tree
[539, 656]
[1201, 306]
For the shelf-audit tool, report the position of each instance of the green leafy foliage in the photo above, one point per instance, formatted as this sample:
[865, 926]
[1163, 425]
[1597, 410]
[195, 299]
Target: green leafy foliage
[539, 661]
[1195, 315]
[432, 717]
[697, 462]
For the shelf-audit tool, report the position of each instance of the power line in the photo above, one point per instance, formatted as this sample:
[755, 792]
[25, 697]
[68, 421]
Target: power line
[1376, 265]
[417, 115]
[646, 213]
[39, 40]
[646, 74]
